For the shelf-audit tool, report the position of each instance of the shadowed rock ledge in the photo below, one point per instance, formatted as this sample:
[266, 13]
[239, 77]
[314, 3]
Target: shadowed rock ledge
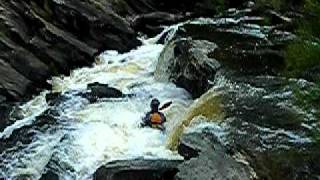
[138, 169]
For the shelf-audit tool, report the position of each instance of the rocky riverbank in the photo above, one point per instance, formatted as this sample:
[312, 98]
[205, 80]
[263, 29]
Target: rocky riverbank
[249, 120]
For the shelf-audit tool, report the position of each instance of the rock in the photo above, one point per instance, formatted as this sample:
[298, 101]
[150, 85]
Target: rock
[35, 37]
[186, 63]
[213, 161]
[5, 111]
[277, 18]
[9, 113]
[246, 49]
[138, 169]
[151, 23]
[49, 175]
[98, 90]
[232, 45]
[13, 85]
[269, 121]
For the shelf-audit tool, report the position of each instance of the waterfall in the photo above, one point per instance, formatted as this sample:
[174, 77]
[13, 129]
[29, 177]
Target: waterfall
[84, 136]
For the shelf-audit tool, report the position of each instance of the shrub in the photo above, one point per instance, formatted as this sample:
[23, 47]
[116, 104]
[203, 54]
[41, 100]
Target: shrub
[304, 53]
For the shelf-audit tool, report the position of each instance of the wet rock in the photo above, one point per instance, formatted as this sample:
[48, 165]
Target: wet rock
[213, 162]
[138, 169]
[269, 121]
[186, 63]
[44, 38]
[49, 175]
[244, 48]
[9, 113]
[98, 90]
[151, 23]
[5, 111]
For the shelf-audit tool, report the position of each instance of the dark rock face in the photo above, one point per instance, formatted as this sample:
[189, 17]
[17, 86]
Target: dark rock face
[151, 23]
[5, 116]
[268, 122]
[9, 113]
[242, 47]
[212, 162]
[49, 176]
[41, 39]
[186, 63]
[137, 170]
[233, 44]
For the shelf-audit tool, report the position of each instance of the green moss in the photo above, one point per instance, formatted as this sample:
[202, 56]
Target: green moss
[308, 99]
[302, 55]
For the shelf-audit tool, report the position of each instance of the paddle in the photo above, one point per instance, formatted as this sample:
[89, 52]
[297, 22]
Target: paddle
[165, 105]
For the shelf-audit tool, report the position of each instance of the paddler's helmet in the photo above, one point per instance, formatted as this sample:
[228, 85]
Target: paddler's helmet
[155, 103]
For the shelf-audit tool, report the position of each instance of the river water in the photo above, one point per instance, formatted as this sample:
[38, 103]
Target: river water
[84, 136]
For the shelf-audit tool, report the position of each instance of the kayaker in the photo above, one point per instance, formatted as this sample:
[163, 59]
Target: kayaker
[154, 118]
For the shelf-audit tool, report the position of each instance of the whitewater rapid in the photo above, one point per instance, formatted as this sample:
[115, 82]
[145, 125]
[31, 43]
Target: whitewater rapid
[89, 135]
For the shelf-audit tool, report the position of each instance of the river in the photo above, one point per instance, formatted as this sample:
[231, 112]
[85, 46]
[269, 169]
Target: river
[84, 136]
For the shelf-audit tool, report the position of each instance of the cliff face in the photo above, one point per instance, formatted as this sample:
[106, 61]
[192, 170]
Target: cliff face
[39, 39]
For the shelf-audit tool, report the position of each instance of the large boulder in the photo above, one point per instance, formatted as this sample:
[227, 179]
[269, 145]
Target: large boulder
[186, 63]
[242, 46]
[270, 121]
[138, 169]
[232, 44]
[210, 160]
[99, 90]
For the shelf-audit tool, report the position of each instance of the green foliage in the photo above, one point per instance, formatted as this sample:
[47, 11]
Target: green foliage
[309, 99]
[304, 53]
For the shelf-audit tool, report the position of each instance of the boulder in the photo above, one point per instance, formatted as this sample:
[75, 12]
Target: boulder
[137, 169]
[186, 63]
[270, 122]
[242, 47]
[98, 90]
[233, 45]
[213, 161]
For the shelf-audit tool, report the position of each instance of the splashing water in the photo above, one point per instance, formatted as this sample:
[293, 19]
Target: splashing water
[84, 136]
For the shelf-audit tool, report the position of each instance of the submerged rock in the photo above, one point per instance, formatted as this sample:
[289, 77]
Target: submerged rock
[138, 169]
